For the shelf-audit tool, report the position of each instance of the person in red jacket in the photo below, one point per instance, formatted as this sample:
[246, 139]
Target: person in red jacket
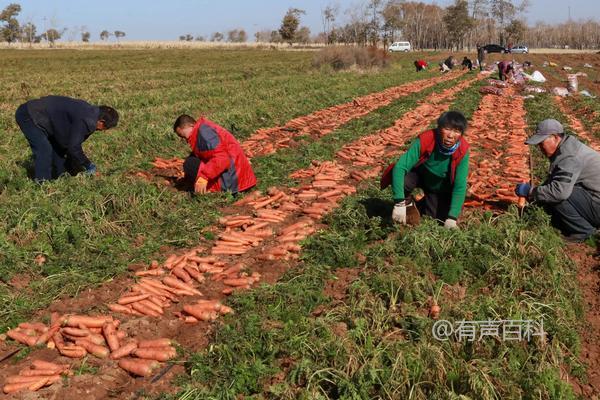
[217, 162]
[420, 65]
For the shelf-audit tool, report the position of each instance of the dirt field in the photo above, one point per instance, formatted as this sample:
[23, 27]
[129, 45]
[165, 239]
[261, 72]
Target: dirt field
[329, 298]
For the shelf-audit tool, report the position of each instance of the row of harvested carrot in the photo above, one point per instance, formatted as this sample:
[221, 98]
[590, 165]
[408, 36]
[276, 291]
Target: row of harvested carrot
[322, 122]
[76, 336]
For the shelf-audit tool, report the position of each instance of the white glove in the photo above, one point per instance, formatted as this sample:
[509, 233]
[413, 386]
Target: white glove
[450, 224]
[399, 213]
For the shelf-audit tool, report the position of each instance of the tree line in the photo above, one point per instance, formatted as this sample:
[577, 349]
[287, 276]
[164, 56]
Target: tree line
[13, 31]
[463, 24]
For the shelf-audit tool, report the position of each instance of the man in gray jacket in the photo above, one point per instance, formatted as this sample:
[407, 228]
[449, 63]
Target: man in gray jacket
[571, 192]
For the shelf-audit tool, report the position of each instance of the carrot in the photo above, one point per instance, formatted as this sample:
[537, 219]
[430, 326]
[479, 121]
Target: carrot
[44, 337]
[119, 308]
[34, 387]
[181, 273]
[132, 298]
[237, 282]
[151, 306]
[200, 313]
[145, 310]
[176, 283]
[38, 372]
[194, 273]
[72, 351]
[90, 322]
[124, 350]
[31, 379]
[41, 364]
[36, 326]
[21, 337]
[15, 387]
[75, 332]
[139, 367]
[110, 334]
[162, 342]
[95, 349]
[155, 353]
[150, 272]
[58, 340]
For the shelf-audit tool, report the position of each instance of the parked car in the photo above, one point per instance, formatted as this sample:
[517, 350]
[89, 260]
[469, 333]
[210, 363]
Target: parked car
[519, 50]
[400, 46]
[494, 48]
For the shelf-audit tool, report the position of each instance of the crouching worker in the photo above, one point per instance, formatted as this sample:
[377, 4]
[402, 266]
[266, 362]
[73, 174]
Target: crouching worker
[437, 162]
[420, 65]
[571, 192]
[217, 162]
[56, 127]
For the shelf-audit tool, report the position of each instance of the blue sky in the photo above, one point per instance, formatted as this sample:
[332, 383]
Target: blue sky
[166, 20]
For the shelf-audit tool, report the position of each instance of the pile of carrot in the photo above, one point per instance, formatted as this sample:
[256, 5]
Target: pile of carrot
[163, 163]
[576, 124]
[38, 375]
[498, 151]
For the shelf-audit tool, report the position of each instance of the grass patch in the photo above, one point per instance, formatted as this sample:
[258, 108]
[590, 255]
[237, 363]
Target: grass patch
[377, 342]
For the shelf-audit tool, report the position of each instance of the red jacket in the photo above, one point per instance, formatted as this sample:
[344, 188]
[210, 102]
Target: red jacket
[224, 164]
[427, 141]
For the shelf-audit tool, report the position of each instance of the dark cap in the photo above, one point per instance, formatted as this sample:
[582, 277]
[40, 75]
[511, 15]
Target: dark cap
[545, 129]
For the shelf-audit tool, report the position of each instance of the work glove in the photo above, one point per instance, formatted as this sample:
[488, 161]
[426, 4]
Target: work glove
[523, 189]
[450, 224]
[200, 186]
[91, 169]
[399, 213]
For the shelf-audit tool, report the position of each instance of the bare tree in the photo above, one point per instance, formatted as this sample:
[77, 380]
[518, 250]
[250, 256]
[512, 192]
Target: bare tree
[328, 16]
[104, 35]
[118, 35]
[217, 37]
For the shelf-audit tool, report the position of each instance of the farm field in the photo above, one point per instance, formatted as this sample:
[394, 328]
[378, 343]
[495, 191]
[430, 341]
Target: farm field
[320, 296]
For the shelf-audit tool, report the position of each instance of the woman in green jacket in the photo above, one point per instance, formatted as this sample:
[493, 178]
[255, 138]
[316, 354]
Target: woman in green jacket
[437, 162]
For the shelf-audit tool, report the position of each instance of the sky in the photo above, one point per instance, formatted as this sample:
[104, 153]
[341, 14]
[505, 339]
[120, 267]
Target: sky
[168, 19]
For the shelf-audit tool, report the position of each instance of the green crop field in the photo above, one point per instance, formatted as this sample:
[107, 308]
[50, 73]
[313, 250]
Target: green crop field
[351, 319]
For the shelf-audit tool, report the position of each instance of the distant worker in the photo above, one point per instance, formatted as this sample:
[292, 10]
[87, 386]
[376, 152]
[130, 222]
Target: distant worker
[467, 63]
[217, 162]
[437, 162]
[571, 192]
[450, 62]
[420, 65]
[505, 69]
[480, 56]
[56, 127]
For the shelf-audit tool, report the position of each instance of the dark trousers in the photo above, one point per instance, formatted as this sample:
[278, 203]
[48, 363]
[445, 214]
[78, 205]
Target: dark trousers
[578, 216]
[46, 153]
[435, 205]
[191, 165]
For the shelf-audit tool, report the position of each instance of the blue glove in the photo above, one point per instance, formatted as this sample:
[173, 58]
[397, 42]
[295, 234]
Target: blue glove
[523, 189]
[91, 169]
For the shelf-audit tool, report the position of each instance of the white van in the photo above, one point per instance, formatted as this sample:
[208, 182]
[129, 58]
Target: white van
[400, 46]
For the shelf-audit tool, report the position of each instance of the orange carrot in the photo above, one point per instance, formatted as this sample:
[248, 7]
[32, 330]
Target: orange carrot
[15, 387]
[194, 273]
[34, 387]
[150, 272]
[237, 282]
[31, 379]
[44, 337]
[72, 351]
[110, 334]
[152, 306]
[36, 326]
[38, 372]
[41, 364]
[176, 283]
[182, 274]
[155, 353]
[124, 300]
[119, 308]
[95, 349]
[21, 337]
[124, 350]
[162, 342]
[90, 322]
[139, 367]
[200, 313]
[145, 310]
[75, 332]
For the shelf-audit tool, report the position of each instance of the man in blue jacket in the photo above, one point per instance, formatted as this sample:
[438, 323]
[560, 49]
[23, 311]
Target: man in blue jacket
[56, 127]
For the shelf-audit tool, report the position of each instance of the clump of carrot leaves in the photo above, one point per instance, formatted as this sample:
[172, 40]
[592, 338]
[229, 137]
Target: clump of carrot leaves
[292, 341]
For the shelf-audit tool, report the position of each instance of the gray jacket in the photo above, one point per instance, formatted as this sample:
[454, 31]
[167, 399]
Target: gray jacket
[574, 163]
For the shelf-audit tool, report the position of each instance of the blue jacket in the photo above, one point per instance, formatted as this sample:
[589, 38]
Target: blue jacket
[68, 121]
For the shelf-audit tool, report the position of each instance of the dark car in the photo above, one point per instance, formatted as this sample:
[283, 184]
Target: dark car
[494, 48]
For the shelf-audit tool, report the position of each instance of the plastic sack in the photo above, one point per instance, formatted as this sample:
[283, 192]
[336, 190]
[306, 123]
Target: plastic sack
[536, 77]
[497, 83]
[534, 89]
[567, 68]
[587, 65]
[573, 83]
[587, 94]
[560, 91]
